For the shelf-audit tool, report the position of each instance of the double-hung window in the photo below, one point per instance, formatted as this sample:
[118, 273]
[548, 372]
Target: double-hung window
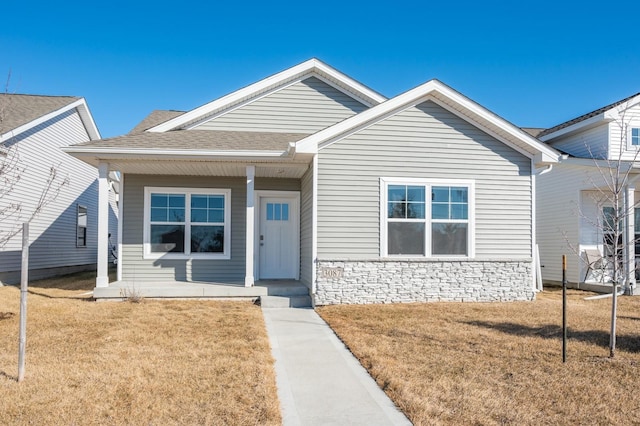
[183, 222]
[426, 218]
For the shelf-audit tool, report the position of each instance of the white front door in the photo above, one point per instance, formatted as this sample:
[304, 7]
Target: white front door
[278, 238]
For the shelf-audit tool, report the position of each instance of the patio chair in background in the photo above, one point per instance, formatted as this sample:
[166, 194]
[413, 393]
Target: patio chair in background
[595, 263]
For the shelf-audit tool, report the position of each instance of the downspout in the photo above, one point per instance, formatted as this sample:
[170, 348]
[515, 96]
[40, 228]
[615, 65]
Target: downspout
[536, 273]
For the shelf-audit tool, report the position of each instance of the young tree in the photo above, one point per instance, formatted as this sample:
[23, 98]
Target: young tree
[12, 169]
[616, 174]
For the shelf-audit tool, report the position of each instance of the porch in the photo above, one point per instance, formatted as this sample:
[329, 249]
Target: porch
[281, 292]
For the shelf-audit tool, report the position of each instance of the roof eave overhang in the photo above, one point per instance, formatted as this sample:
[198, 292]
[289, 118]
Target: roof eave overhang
[589, 123]
[94, 156]
[83, 111]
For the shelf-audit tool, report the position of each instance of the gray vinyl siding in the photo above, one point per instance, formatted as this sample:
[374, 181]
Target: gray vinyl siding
[304, 107]
[306, 229]
[590, 143]
[136, 268]
[422, 142]
[53, 231]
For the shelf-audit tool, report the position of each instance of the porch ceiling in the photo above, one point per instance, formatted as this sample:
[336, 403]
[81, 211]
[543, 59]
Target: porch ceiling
[290, 169]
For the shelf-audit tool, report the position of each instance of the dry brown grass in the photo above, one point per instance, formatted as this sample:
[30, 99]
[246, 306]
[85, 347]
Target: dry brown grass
[157, 362]
[499, 363]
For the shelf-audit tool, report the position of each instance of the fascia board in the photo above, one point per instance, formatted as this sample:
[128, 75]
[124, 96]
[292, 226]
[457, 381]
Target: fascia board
[87, 120]
[174, 154]
[487, 119]
[583, 125]
[80, 104]
[254, 89]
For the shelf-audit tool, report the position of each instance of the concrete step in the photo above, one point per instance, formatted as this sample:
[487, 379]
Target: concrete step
[283, 288]
[285, 301]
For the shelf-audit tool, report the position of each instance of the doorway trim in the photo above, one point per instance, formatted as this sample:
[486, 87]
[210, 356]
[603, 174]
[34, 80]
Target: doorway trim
[295, 197]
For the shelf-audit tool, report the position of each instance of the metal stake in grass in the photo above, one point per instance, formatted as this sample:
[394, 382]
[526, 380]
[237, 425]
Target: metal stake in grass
[24, 279]
[564, 308]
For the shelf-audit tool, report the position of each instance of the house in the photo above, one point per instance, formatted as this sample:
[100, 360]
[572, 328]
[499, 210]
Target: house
[574, 200]
[308, 175]
[63, 214]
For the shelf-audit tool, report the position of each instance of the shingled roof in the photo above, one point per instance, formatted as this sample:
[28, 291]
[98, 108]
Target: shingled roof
[585, 116]
[156, 117]
[212, 140]
[533, 131]
[17, 110]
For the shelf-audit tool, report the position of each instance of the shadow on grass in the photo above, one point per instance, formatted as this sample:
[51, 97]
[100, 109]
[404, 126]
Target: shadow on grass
[624, 342]
[81, 297]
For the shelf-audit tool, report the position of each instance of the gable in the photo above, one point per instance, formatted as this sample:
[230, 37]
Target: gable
[307, 106]
[423, 142]
[430, 136]
[449, 100]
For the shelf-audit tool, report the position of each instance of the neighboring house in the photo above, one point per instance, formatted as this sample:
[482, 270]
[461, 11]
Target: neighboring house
[572, 202]
[308, 175]
[63, 235]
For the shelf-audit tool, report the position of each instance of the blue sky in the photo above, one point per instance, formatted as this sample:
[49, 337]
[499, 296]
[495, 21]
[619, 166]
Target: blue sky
[534, 63]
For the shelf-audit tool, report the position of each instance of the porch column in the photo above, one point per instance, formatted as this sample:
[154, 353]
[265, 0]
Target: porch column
[102, 279]
[630, 246]
[248, 276]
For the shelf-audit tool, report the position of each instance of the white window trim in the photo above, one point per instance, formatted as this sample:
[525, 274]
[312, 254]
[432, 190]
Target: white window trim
[630, 144]
[86, 227]
[428, 183]
[225, 255]
[292, 195]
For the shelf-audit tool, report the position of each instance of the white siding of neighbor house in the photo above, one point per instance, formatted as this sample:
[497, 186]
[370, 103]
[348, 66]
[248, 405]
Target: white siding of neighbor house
[53, 231]
[620, 134]
[304, 107]
[590, 143]
[136, 268]
[306, 228]
[562, 209]
[425, 141]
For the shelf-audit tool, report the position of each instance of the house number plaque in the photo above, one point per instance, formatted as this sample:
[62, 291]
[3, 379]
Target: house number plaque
[331, 272]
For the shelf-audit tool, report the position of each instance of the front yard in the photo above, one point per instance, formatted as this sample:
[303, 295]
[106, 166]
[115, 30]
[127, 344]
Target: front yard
[156, 362]
[207, 362]
[499, 363]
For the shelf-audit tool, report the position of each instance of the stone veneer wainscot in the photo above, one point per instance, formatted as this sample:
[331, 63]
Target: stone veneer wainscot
[420, 280]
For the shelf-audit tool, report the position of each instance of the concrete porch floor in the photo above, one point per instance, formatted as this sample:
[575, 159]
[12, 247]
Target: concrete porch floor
[182, 289]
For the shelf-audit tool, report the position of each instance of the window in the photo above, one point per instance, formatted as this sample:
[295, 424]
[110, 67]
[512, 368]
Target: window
[278, 211]
[184, 223]
[635, 136]
[608, 222]
[81, 226]
[426, 218]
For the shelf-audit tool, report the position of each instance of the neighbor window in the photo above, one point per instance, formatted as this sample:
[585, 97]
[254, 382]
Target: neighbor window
[635, 136]
[426, 218]
[81, 226]
[608, 228]
[187, 222]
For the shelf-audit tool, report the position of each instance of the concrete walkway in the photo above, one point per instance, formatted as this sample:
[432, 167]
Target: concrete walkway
[319, 381]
